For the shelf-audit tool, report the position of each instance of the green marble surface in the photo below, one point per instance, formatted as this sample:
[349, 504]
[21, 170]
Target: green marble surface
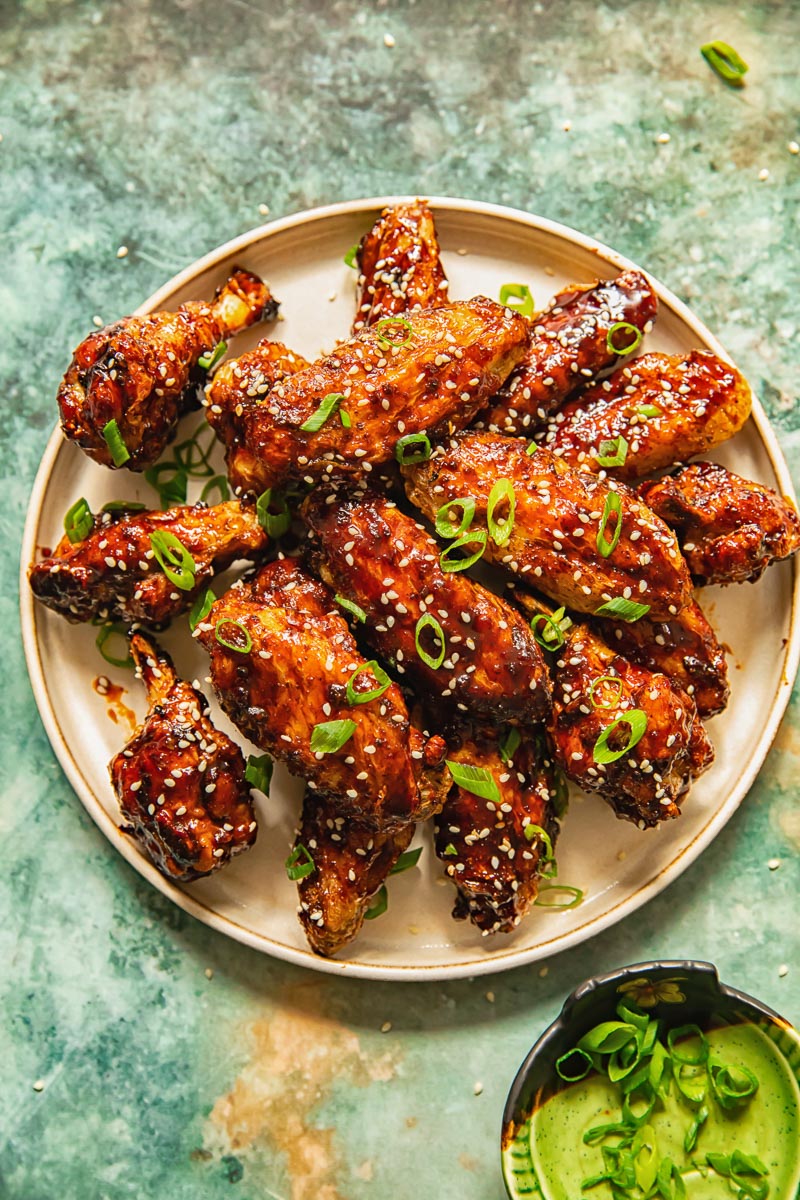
[170, 1061]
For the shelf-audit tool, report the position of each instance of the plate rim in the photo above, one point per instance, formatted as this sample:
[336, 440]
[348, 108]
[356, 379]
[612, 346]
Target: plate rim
[498, 960]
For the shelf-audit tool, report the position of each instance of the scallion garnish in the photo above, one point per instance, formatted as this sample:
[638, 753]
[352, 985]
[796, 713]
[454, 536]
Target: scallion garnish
[547, 889]
[532, 831]
[113, 439]
[574, 1066]
[554, 629]
[201, 608]
[450, 850]
[258, 772]
[616, 681]
[389, 323]
[727, 63]
[478, 780]
[623, 338]
[379, 904]
[218, 484]
[353, 697]
[192, 457]
[299, 864]
[174, 559]
[510, 744]
[78, 521]
[277, 523]
[350, 258]
[682, 1054]
[115, 506]
[407, 860]
[444, 524]
[351, 607]
[636, 720]
[244, 648]
[500, 530]
[428, 621]
[612, 452]
[344, 417]
[648, 410]
[326, 408]
[612, 507]
[329, 736]
[116, 630]
[448, 562]
[622, 609]
[212, 357]
[173, 489]
[414, 456]
[732, 1085]
[517, 296]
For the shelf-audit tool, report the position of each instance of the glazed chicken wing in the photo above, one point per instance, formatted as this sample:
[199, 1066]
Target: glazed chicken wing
[349, 410]
[144, 372]
[113, 573]
[495, 864]
[570, 344]
[179, 781]
[666, 408]
[730, 528]
[282, 661]
[399, 265]
[560, 516]
[384, 562]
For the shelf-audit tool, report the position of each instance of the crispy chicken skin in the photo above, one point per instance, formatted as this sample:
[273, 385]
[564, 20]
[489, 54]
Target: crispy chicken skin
[179, 781]
[297, 655]
[399, 265]
[558, 515]
[685, 649]
[495, 867]
[351, 861]
[702, 401]
[454, 358]
[143, 372]
[730, 528]
[570, 345]
[382, 560]
[238, 390]
[113, 573]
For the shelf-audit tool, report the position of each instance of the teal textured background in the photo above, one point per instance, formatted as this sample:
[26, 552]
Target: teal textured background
[163, 126]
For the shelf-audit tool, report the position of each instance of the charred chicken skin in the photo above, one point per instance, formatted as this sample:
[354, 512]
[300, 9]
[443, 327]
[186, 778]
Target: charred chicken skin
[666, 408]
[570, 345]
[351, 860]
[282, 658]
[384, 562]
[730, 528]
[494, 863]
[113, 573]
[560, 517]
[399, 265]
[144, 372]
[359, 402]
[179, 781]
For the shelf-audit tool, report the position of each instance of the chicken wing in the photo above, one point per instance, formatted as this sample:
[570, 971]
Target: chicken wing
[665, 408]
[495, 864]
[114, 574]
[143, 373]
[570, 344]
[180, 781]
[562, 517]
[399, 265]
[353, 408]
[384, 562]
[282, 663]
[730, 528]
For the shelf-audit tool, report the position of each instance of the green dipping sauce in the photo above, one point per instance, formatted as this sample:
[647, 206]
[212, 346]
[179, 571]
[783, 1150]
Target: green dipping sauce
[769, 1126]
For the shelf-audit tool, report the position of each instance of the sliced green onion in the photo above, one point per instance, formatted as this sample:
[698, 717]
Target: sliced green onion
[173, 490]
[622, 609]
[443, 523]
[229, 645]
[648, 410]
[577, 895]
[116, 445]
[636, 720]
[192, 457]
[554, 629]
[428, 621]
[326, 408]
[389, 323]
[212, 357]
[201, 608]
[612, 452]
[299, 864]
[727, 63]
[532, 831]
[174, 559]
[607, 1037]
[521, 293]
[277, 523]
[258, 772]
[732, 1085]
[350, 258]
[690, 1082]
[410, 440]
[510, 744]
[693, 1132]
[500, 531]
[448, 563]
[407, 860]
[574, 1065]
[379, 904]
[353, 697]
[613, 505]
[613, 679]
[669, 1181]
[351, 607]
[115, 630]
[450, 850]
[115, 506]
[478, 780]
[344, 417]
[329, 736]
[621, 332]
[78, 521]
[219, 484]
[680, 1053]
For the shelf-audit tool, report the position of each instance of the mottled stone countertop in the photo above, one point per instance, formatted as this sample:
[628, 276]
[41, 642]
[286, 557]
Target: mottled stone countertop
[169, 1061]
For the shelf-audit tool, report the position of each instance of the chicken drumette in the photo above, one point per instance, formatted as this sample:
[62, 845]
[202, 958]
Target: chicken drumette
[399, 265]
[114, 573]
[129, 383]
[180, 781]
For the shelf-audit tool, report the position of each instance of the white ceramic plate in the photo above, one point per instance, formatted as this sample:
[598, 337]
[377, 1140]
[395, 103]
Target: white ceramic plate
[619, 867]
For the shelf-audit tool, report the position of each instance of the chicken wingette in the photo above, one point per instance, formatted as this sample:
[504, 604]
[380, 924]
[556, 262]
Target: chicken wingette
[399, 265]
[129, 383]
